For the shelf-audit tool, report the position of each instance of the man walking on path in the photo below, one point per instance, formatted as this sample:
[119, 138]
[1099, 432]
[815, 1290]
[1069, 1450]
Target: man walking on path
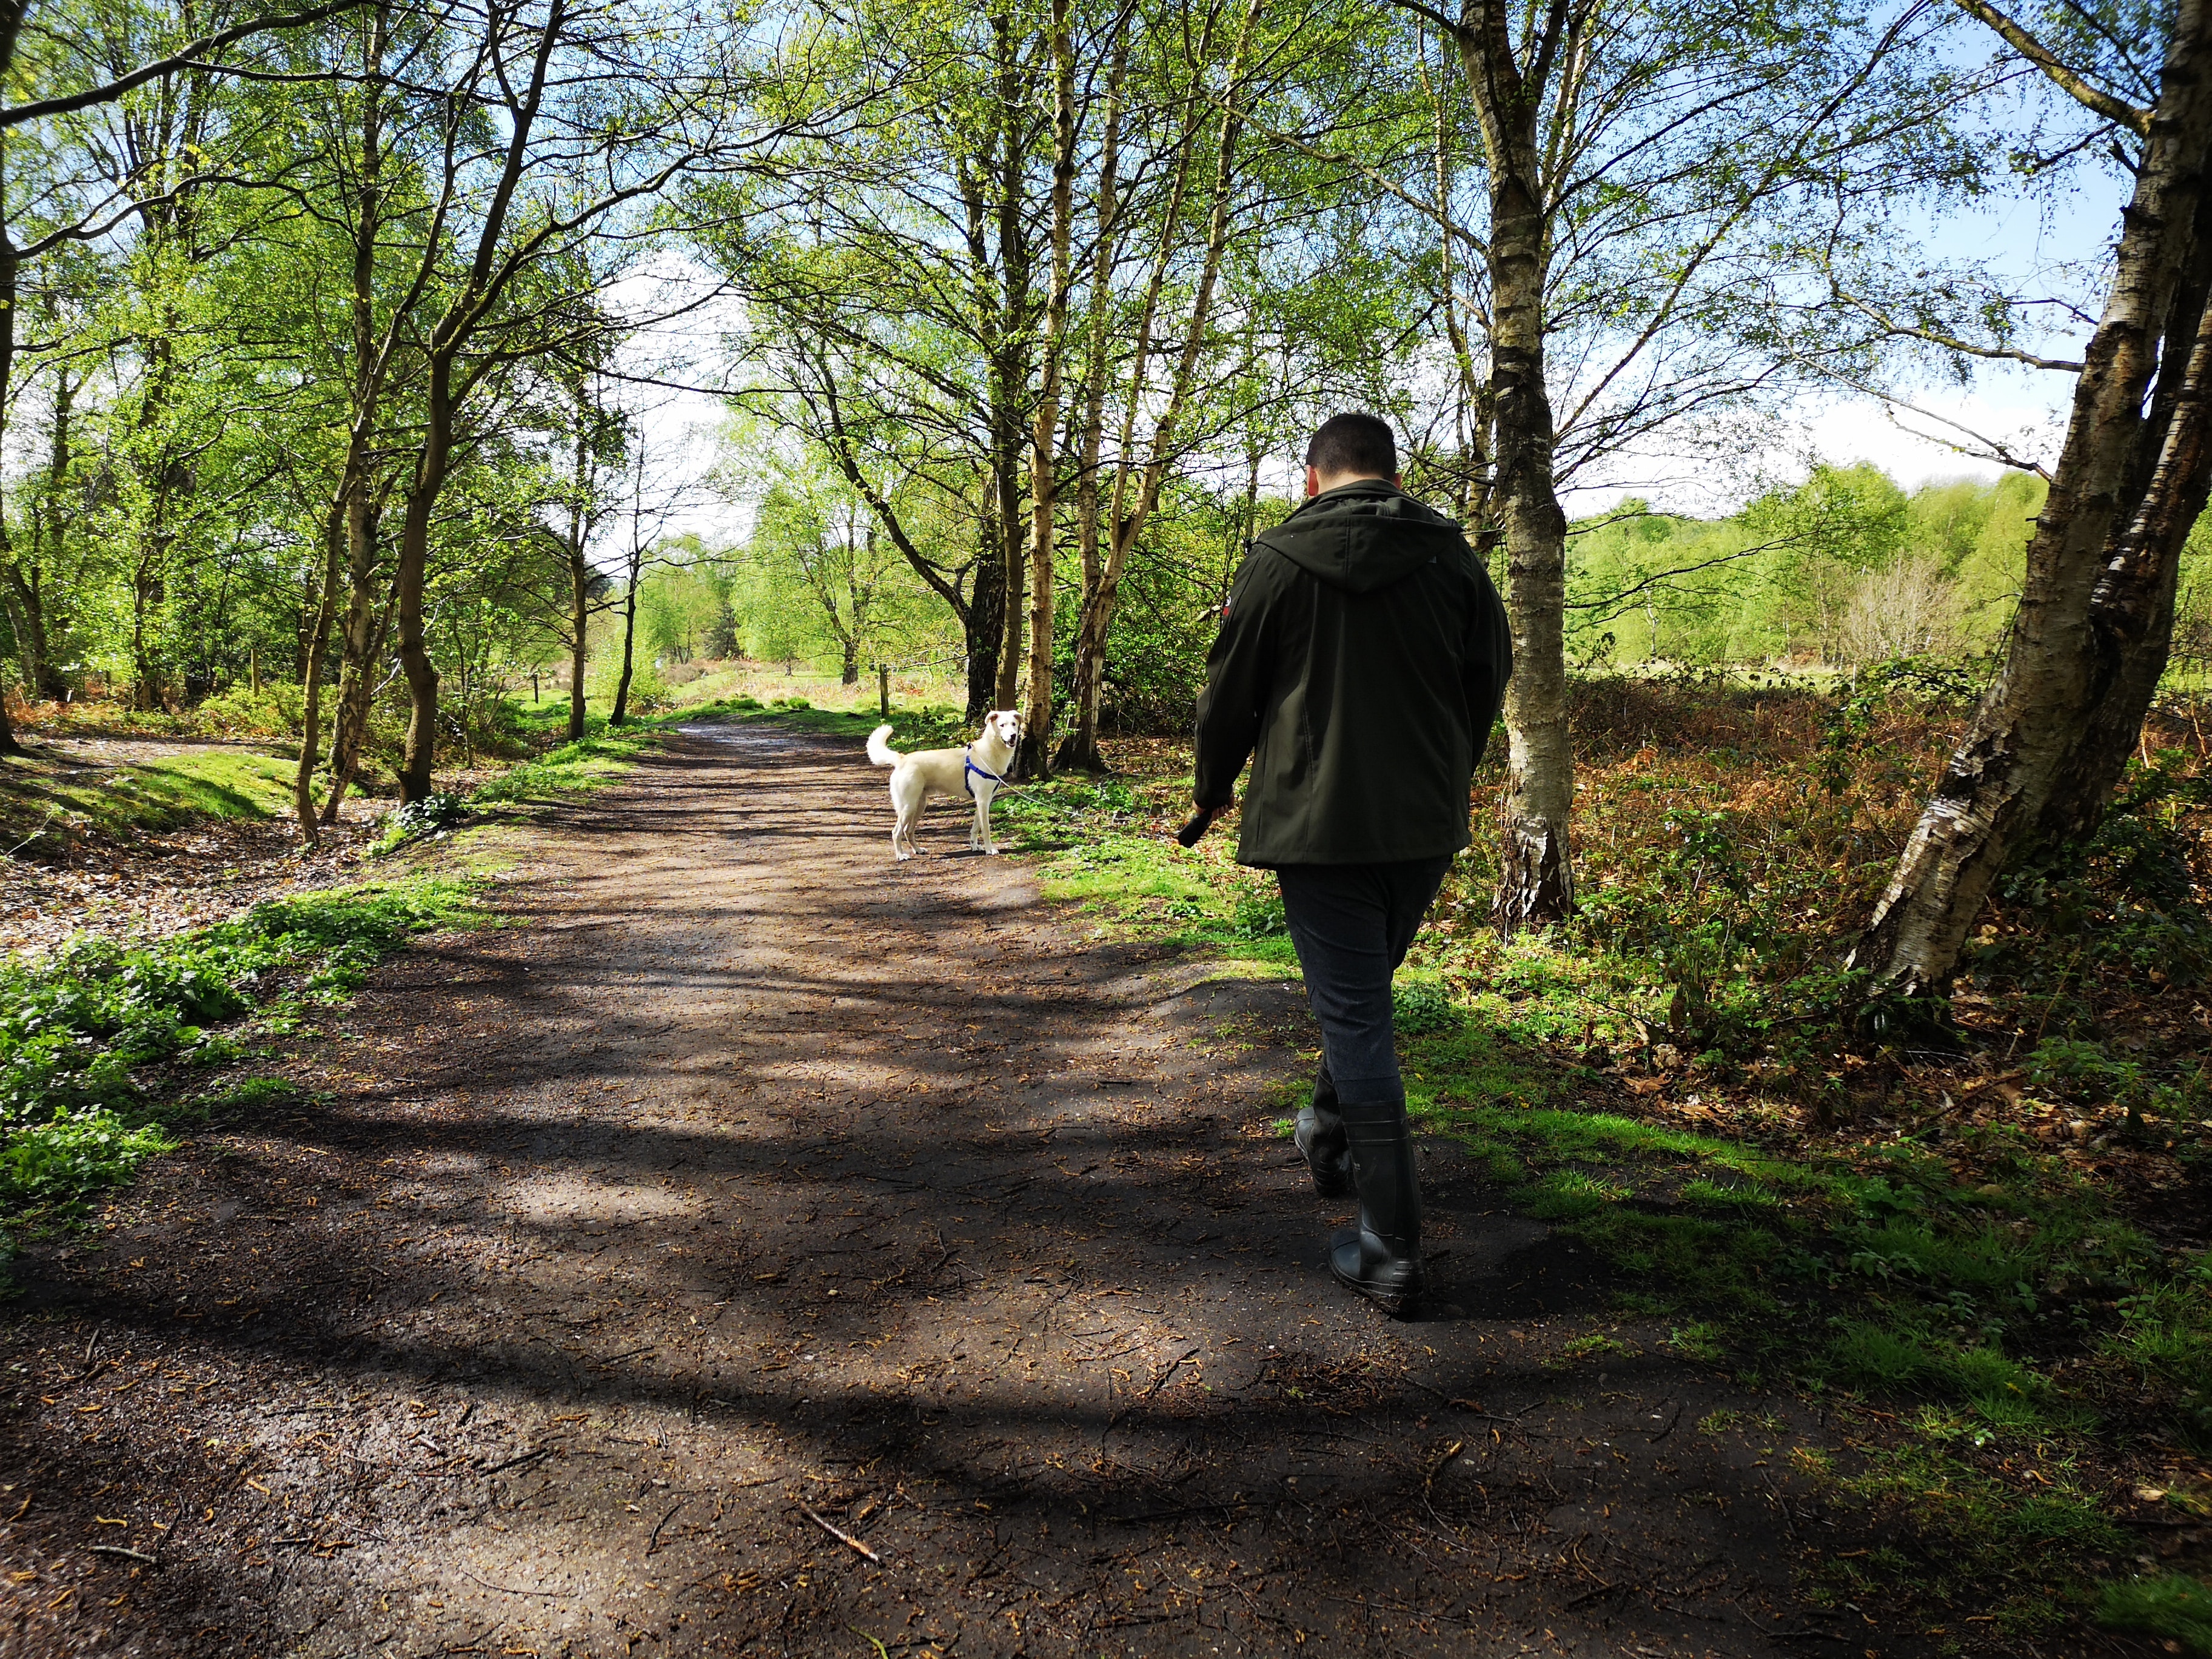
[1362, 659]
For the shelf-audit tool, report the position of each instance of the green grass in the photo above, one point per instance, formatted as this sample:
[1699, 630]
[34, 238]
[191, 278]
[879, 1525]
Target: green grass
[1106, 844]
[38, 802]
[933, 727]
[91, 1036]
[2172, 1605]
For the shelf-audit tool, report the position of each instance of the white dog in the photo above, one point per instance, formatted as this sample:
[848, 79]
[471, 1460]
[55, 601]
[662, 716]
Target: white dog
[976, 770]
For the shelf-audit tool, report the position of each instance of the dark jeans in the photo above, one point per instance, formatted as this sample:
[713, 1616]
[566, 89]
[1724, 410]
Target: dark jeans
[1352, 924]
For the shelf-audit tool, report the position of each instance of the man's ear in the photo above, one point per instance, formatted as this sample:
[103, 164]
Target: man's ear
[1399, 479]
[1313, 482]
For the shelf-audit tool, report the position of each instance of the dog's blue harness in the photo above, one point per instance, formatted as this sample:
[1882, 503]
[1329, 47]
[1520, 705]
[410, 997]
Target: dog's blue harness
[967, 777]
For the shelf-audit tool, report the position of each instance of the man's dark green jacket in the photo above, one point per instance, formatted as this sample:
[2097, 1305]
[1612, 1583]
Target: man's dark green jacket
[1363, 654]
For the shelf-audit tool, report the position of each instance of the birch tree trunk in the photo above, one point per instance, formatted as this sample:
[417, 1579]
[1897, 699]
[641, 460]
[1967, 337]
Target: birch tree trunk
[1032, 759]
[1129, 513]
[432, 465]
[580, 568]
[1010, 361]
[311, 697]
[2052, 732]
[1537, 885]
[350, 544]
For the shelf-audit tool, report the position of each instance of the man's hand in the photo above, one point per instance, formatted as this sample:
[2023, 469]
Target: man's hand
[1201, 820]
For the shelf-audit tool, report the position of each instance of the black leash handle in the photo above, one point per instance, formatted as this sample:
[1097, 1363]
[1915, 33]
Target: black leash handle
[1199, 823]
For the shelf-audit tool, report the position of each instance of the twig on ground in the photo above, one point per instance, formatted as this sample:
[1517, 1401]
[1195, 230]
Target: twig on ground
[506, 1589]
[532, 1455]
[654, 1542]
[117, 1549]
[840, 1535]
[1160, 1381]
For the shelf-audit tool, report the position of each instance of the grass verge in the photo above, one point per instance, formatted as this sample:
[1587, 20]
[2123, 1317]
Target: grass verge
[46, 798]
[100, 1044]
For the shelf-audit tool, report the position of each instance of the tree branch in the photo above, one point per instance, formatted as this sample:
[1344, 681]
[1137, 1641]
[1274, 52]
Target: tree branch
[188, 58]
[2112, 106]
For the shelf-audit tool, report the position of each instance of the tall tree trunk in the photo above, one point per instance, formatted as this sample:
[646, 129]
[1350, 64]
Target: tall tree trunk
[352, 557]
[1033, 758]
[1010, 354]
[1013, 572]
[1473, 421]
[984, 625]
[28, 583]
[430, 468]
[1136, 491]
[580, 647]
[620, 713]
[2052, 732]
[1537, 885]
[10, 261]
[360, 644]
[147, 591]
[26, 613]
[580, 571]
[1080, 746]
[310, 695]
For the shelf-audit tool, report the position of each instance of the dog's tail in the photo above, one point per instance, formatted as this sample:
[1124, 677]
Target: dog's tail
[879, 747]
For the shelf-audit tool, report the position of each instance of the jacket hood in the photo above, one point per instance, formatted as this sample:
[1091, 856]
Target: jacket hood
[1363, 536]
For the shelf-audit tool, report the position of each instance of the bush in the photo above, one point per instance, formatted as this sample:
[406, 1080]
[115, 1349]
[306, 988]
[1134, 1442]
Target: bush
[1419, 1008]
[277, 710]
[423, 817]
[74, 1152]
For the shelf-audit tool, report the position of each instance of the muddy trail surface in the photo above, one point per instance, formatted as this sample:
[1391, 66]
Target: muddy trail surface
[760, 1247]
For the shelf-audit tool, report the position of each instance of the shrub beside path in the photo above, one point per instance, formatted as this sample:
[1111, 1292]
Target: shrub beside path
[760, 1247]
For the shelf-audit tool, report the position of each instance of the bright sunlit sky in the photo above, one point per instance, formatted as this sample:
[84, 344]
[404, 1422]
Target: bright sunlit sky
[2027, 407]
[2024, 407]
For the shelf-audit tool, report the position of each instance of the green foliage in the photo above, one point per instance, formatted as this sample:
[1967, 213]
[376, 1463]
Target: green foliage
[590, 763]
[433, 814]
[80, 1030]
[254, 1094]
[70, 1154]
[42, 799]
[1845, 569]
[2128, 896]
[1418, 1008]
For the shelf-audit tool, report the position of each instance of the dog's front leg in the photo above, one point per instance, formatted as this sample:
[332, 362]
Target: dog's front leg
[983, 821]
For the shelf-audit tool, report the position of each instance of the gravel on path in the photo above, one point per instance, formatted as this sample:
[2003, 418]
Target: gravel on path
[763, 1248]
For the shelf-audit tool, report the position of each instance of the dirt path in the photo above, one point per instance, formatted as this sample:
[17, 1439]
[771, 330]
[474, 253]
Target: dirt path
[755, 1186]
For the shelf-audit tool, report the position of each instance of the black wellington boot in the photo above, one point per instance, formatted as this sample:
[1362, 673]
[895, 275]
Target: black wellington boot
[1320, 1139]
[1381, 1259]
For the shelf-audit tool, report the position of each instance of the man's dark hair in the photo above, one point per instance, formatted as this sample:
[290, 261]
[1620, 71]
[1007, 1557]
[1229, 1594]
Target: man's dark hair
[1358, 444]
